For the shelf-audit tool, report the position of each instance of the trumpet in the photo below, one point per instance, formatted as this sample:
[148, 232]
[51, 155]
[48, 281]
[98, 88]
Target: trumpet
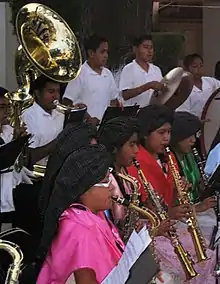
[191, 221]
[183, 256]
[68, 109]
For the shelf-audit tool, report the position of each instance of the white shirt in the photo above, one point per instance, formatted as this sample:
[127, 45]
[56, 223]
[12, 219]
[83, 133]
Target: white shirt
[43, 126]
[133, 76]
[94, 90]
[197, 99]
[6, 179]
[213, 160]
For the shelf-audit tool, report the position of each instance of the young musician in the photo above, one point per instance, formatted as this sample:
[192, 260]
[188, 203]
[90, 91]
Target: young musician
[77, 237]
[203, 86]
[184, 129]
[120, 137]
[73, 137]
[9, 179]
[95, 85]
[42, 120]
[155, 133]
[140, 77]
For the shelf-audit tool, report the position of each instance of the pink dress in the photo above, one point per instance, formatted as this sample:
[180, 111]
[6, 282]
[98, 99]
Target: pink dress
[84, 240]
[170, 263]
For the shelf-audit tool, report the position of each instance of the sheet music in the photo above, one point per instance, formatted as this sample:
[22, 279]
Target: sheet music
[136, 245]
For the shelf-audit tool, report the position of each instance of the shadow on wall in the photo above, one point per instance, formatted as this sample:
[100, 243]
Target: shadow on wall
[168, 50]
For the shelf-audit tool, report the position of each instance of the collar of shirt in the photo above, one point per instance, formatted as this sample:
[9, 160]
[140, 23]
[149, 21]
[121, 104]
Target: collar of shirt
[150, 69]
[93, 72]
[39, 109]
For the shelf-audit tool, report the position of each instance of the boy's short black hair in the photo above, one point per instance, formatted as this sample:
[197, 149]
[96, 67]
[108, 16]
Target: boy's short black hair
[40, 83]
[93, 43]
[188, 60]
[3, 91]
[140, 39]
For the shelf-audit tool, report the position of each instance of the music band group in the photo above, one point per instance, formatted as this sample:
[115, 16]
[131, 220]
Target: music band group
[80, 184]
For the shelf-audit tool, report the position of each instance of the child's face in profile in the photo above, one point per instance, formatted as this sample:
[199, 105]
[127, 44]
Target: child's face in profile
[4, 110]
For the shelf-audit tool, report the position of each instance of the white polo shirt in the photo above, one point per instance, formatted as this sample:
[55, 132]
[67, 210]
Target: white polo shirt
[94, 90]
[10, 180]
[133, 76]
[43, 126]
[7, 204]
[198, 98]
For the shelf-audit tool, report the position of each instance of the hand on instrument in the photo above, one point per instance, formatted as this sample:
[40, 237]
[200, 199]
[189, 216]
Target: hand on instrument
[93, 120]
[139, 226]
[165, 227]
[179, 212]
[185, 185]
[22, 131]
[206, 204]
[157, 86]
[160, 277]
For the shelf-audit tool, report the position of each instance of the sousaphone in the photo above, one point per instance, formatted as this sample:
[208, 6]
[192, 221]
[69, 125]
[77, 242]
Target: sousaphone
[178, 86]
[47, 46]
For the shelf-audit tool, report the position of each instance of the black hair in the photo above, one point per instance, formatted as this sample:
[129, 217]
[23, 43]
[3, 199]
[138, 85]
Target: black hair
[217, 70]
[40, 83]
[140, 39]
[3, 91]
[188, 60]
[93, 43]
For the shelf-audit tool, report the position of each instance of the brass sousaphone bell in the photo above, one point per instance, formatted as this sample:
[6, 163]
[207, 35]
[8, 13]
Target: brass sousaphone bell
[178, 86]
[47, 46]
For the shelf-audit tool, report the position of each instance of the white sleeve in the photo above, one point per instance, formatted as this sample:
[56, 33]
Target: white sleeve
[186, 106]
[216, 84]
[213, 160]
[74, 89]
[114, 92]
[31, 129]
[126, 80]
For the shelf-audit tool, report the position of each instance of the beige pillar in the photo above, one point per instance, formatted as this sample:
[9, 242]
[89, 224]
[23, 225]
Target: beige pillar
[8, 46]
[211, 35]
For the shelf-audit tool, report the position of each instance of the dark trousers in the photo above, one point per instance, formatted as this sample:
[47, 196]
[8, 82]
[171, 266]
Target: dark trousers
[26, 209]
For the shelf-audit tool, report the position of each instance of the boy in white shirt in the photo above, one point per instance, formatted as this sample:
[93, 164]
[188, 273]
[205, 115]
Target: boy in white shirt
[95, 86]
[203, 87]
[140, 77]
[42, 120]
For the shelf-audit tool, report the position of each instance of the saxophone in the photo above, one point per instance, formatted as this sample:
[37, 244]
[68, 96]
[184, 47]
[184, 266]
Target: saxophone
[132, 216]
[191, 221]
[17, 256]
[183, 256]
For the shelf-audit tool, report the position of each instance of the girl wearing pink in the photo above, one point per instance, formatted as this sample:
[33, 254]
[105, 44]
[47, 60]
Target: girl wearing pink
[77, 238]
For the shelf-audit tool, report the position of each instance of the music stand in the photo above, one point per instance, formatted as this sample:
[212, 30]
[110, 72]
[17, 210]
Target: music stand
[10, 151]
[144, 269]
[74, 116]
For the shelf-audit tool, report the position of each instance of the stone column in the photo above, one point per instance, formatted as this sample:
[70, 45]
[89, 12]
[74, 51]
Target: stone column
[8, 47]
[211, 35]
